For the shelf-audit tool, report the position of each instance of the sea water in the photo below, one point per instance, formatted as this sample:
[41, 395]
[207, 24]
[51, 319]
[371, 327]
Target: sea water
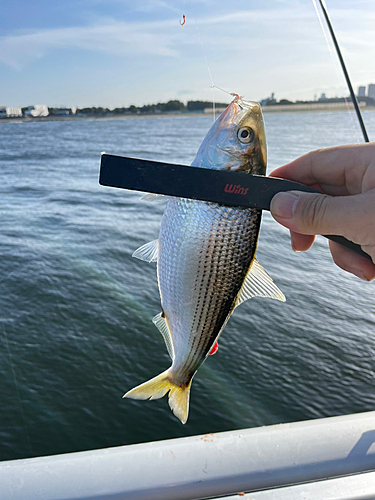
[76, 308]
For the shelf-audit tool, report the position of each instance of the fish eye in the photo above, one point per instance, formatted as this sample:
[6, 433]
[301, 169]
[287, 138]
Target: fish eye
[245, 135]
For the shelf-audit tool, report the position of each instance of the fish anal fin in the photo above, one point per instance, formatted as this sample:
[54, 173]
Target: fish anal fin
[258, 283]
[148, 252]
[161, 324]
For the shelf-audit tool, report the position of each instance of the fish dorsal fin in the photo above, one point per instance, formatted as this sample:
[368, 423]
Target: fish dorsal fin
[258, 283]
[161, 324]
[148, 252]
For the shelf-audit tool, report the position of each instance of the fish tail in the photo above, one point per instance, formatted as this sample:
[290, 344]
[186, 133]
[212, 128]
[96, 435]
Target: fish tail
[158, 387]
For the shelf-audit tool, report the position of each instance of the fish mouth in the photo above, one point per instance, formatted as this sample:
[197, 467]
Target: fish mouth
[241, 103]
[237, 107]
[247, 104]
[235, 112]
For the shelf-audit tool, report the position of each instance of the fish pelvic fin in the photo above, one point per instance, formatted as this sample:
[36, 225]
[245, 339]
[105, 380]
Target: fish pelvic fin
[158, 387]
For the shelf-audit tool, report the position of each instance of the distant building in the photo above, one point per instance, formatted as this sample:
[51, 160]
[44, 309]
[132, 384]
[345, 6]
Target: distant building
[361, 91]
[14, 112]
[3, 111]
[40, 110]
[37, 110]
[269, 100]
[322, 97]
[371, 91]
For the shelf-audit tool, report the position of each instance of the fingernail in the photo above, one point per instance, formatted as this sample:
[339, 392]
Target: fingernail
[284, 204]
[357, 272]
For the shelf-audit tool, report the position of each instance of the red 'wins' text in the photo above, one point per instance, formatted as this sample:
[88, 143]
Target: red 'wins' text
[235, 189]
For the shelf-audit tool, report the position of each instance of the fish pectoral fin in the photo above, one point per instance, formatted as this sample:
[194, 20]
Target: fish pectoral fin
[161, 324]
[153, 197]
[157, 387]
[258, 283]
[148, 252]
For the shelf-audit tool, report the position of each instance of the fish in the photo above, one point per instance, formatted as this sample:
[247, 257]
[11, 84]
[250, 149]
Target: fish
[205, 256]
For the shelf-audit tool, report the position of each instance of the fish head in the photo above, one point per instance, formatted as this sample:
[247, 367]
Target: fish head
[236, 141]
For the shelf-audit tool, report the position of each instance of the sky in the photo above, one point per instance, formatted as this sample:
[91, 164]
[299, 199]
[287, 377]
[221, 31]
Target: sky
[116, 53]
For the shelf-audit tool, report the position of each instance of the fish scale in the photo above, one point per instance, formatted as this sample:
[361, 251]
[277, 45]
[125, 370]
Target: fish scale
[219, 243]
[205, 257]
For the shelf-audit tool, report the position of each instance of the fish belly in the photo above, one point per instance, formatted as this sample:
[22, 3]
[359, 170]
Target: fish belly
[205, 251]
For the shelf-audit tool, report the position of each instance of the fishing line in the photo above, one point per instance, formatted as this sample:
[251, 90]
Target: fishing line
[346, 74]
[219, 88]
[213, 86]
[335, 64]
[209, 70]
[334, 60]
[229, 93]
[17, 391]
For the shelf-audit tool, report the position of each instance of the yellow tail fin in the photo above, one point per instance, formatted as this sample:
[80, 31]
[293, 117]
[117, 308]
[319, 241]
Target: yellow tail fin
[158, 387]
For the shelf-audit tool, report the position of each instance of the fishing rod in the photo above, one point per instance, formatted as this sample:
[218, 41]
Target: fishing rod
[346, 74]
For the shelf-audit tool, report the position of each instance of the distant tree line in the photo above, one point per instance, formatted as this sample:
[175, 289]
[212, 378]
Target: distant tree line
[175, 106]
[160, 107]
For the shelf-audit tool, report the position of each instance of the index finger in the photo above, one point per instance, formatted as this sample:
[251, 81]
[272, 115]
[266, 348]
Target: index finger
[337, 171]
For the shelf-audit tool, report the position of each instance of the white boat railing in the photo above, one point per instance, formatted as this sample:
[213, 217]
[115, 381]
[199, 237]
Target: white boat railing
[227, 463]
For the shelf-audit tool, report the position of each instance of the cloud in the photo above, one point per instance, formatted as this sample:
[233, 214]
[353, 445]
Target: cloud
[261, 16]
[236, 31]
[152, 5]
[111, 37]
[143, 6]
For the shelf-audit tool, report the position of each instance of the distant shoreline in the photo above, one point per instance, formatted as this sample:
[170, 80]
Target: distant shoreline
[291, 108]
[316, 106]
[51, 118]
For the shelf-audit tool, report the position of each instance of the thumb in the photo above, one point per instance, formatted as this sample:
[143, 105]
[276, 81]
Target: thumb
[310, 214]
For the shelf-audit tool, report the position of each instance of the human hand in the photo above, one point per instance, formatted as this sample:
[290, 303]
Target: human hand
[345, 175]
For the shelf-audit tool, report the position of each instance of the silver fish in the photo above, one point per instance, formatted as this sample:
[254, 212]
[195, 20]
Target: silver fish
[205, 257]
